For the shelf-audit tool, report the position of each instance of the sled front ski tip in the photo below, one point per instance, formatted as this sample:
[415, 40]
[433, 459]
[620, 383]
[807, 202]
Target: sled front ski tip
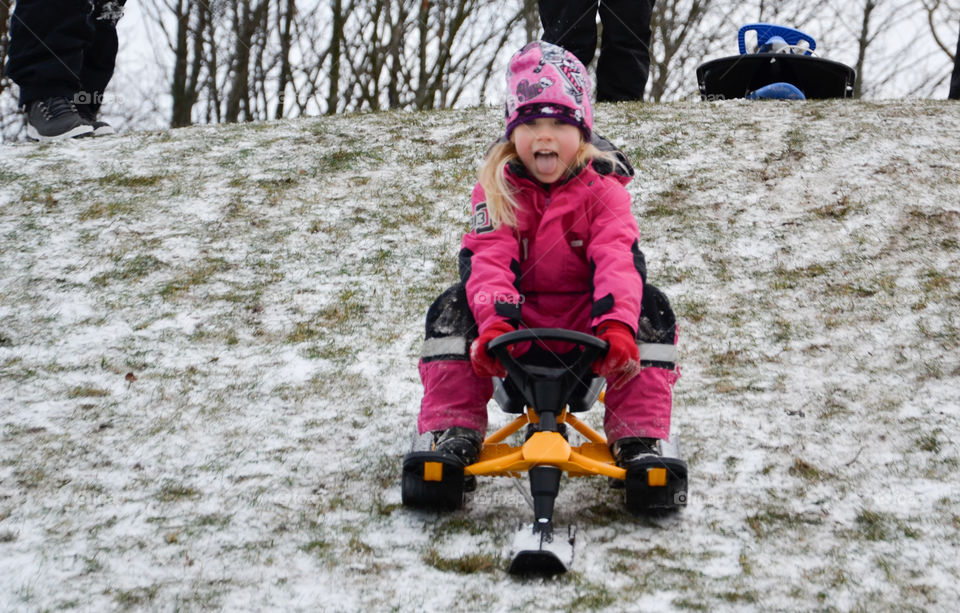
[542, 552]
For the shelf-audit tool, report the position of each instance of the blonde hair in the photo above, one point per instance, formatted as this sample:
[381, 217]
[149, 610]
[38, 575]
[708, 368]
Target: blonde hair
[502, 204]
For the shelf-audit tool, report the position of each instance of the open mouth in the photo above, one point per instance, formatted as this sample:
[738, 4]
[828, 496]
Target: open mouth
[547, 162]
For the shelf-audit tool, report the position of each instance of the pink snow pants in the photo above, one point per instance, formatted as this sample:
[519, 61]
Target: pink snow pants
[455, 396]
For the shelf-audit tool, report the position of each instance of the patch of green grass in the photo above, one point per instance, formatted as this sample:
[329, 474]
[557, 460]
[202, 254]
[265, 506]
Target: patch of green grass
[9, 177]
[342, 313]
[87, 391]
[724, 362]
[693, 310]
[457, 525]
[770, 520]
[357, 546]
[657, 552]
[939, 221]
[106, 210]
[278, 184]
[879, 526]
[124, 180]
[592, 597]
[173, 491]
[316, 547]
[130, 269]
[465, 565]
[136, 598]
[672, 202]
[690, 604]
[795, 139]
[738, 596]
[807, 471]
[935, 281]
[199, 275]
[214, 520]
[41, 194]
[865, 288]
[340, 160]
[782, 330]
[792, 278]
[930, 442]
[835, 210]
[452, 151]
[720, 267]
[603, 513]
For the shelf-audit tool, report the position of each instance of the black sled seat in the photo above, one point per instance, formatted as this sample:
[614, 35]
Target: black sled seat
[783, 62]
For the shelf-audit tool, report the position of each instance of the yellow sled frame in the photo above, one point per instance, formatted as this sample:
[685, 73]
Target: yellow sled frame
[498, 459]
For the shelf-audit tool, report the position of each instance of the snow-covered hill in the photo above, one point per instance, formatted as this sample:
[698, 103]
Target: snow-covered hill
[208, 345]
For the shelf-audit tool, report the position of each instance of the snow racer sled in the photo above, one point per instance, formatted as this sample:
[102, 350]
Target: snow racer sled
[546, 395]
[782, 67]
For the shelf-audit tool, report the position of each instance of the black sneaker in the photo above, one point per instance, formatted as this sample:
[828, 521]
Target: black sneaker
[463, 443]
[53, 119]
[89, 116]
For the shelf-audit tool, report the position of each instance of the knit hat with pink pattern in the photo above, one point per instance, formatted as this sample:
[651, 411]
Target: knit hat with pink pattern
[544, 80]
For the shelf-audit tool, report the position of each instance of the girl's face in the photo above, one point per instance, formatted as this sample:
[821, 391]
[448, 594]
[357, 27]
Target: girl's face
[547, 147]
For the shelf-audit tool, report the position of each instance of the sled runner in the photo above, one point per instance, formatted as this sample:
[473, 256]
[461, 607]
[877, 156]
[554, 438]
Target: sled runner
[546, 396]
[783, 67]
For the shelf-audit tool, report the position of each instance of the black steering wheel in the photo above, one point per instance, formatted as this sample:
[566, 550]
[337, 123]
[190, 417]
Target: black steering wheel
[548, 388]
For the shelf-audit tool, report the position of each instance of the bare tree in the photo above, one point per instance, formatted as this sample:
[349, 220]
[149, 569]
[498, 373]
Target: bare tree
[285, 28]
[942, 19]
[247, 19]
[192, 21]
[864, 40]
[10, 123]
[678, 41]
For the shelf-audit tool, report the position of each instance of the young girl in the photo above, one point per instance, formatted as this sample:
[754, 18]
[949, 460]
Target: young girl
[553, 244]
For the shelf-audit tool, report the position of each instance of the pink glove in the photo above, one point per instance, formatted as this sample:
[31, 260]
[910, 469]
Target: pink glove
[622, 361]
[484, 364]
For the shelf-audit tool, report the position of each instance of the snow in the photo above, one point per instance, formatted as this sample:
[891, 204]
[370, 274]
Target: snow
[265, 286]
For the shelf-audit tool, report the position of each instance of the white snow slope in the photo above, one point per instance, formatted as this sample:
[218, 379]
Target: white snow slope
[209, 338]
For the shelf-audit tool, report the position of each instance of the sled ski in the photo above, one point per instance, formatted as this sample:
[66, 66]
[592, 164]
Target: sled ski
[536, 551]
[783, 67]
[546, 391]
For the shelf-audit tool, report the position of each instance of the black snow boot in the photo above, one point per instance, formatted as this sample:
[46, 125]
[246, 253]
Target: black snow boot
[628, 450]
[656, 482]
[464, 443]
[54, 119]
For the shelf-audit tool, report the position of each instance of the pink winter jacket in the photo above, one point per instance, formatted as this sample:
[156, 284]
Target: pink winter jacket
[573, 261]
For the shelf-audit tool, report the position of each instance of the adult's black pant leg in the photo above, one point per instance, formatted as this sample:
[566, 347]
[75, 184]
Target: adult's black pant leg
[624, 62]
[955, 79]
[572, 24]
[100, 59]
[47, 43]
